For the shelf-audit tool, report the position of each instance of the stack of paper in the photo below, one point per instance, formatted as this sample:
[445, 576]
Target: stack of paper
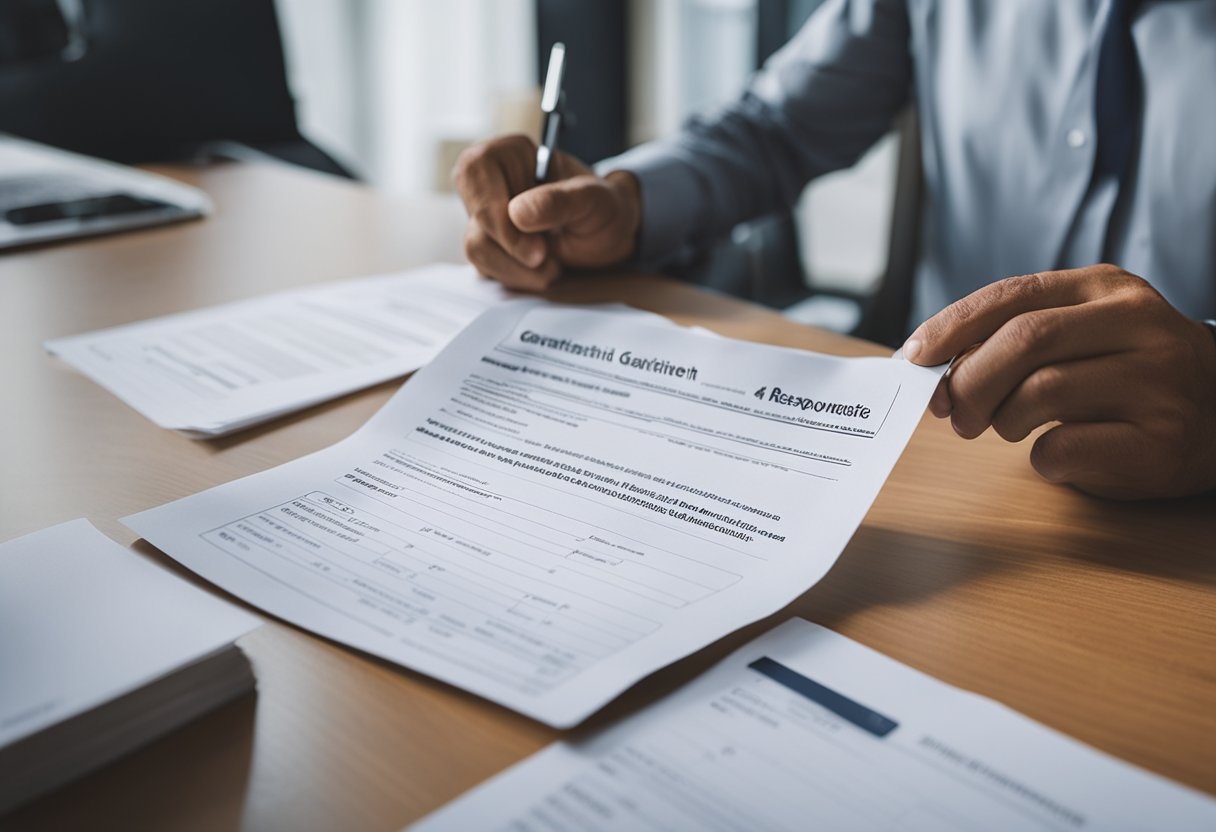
[804, 729]
[213, 371]
[101, 652]
[563, 501]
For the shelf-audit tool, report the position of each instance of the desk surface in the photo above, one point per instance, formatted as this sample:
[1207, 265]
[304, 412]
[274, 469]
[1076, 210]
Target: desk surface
[1095, 618]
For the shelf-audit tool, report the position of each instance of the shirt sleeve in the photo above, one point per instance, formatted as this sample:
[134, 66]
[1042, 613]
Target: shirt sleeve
[816, 106]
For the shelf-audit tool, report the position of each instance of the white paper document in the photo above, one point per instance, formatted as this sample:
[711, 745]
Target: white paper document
[85, 621]
[216, 370]
[564, 501]
[804, 729]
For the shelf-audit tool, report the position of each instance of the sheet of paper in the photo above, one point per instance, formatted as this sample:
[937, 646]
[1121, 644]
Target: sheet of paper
[564, 501]
[85, 621]
[216, 370]
[805, 729]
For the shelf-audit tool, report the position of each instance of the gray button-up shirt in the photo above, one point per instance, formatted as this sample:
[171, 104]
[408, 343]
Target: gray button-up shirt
[1005, 90]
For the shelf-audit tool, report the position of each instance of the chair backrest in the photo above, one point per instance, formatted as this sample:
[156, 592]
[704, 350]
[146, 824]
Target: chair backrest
[155, 78]
[886, 314]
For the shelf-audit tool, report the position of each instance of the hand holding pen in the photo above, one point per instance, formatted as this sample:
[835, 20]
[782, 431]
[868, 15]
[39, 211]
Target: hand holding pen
[534, 210]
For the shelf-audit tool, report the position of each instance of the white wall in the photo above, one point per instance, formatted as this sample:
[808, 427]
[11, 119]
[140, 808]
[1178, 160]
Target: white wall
[688, 56]
[320, 43]
[386, 85]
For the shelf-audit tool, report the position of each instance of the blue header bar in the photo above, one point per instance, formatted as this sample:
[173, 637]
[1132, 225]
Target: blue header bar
[867, 720]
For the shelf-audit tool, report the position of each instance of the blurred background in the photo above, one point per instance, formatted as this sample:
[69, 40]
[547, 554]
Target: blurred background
[638, 69]
[390, 91]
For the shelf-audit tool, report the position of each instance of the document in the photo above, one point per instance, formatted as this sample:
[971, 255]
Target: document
[804, 729]
[213, 371]
[563, 501]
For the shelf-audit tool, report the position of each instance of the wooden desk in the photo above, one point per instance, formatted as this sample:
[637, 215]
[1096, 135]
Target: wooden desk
[1098, 619]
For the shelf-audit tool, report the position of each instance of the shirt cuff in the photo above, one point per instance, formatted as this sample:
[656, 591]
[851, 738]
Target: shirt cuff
[669, 192]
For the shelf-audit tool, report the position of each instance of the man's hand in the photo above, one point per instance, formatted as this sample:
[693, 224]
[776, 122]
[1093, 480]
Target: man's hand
[522, 234]
[1131, 381]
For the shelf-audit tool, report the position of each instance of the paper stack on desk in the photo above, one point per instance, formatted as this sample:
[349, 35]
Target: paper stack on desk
[101, 651]
[563, 501]
[213, 371]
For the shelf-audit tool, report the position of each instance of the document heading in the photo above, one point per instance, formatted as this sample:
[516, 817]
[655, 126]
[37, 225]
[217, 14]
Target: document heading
[628, 358]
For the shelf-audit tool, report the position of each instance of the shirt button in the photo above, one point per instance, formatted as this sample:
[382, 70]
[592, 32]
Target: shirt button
[1075, 138]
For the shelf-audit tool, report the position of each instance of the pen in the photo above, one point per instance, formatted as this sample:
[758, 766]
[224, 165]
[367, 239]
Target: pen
[552, 100]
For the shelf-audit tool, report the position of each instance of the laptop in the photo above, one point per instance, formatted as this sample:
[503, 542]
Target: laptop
[50, 194]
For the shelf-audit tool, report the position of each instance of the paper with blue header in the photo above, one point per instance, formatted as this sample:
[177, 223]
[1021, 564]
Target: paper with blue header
[804, 729]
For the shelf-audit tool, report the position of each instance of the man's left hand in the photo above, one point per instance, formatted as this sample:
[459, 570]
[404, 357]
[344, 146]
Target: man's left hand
[1129, 379]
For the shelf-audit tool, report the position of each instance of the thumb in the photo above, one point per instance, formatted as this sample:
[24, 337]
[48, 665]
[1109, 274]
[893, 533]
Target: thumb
[558, 204]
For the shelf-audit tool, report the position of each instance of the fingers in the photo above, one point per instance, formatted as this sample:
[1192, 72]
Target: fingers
[980, 314]
[588, 221]
[1028, 344]
[939, 402]
[1115, 460]
[492, 260]
[1098, 351]
[581, 205]
[1109, 459]
[525, 249]
[514, 223]
[487, 176]
[1090, 390]
[505, 164]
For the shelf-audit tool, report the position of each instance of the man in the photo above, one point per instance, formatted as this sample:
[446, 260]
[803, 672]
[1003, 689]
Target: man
[1058, 137]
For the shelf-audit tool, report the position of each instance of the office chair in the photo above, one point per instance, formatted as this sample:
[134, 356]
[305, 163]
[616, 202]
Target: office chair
[885, 314]
[151, 80]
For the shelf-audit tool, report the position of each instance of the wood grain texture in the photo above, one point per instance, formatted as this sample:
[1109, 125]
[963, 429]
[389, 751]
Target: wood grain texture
[1096, 618]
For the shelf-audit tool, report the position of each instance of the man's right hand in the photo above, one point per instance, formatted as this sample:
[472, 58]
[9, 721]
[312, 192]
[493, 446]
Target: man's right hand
[523, 234]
